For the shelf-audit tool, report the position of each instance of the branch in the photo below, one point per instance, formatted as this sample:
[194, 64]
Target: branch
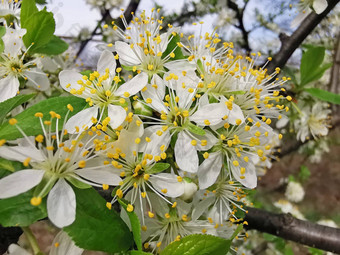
[239, 16]
[291, 43]
[290, 228]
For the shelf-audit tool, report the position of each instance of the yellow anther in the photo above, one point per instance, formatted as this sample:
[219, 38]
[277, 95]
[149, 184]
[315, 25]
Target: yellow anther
[235, 163]
[205, 155]
[109, 205]
[39, 115]
[151, 215]
[105, 187]
[82, 163]
[35, 201]
[119, 193]
[129, 208]
[193, 142]
[126, 94]
[13, 121]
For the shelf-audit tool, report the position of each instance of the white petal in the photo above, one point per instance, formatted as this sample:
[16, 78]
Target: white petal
[235, 114]
[186, 154]
[250, 178]
[13, 41]
[20, 182]
[127, 56]
[21, 153]
[70, 77]
[209, 170]
[66, 245]
[82, 120]
[319, 6]
[15, 249]
[201, 207]
[117, 115]
[9, 87]
[134, 85]
[282, 122]
[300, 17]
[169, 182]
[99, 176]
[211, 112]
[156, 94]
[106, 60]
[61, 204]
[209, 137]
[38, 79]
[153, 147]
[180, 65]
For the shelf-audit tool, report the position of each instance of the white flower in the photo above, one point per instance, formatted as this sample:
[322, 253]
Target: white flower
[63, 245]
[175, 222]
[178, 115]
[102, 92]
[313, 120]
[55, 163]
[144, 47]
[140, 169]
[13, 67]
[221, 203]
[305, 7]
[294, 192]
[286, 207]
[10, 8]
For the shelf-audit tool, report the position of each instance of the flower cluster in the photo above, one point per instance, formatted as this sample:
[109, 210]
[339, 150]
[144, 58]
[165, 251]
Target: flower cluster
[180, 129]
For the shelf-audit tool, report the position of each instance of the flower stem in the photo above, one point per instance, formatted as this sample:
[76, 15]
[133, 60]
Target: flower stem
[32, 240]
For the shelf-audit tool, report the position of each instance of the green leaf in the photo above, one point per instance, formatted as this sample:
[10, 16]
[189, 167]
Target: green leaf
[2, 33]
[18, 211]
[317, 74]
[310, 63]
[77, 183]
[28, 8]
[96, 227]
[55, 46]
[195, 129]
[135, 225]
[324, 95]
[304, 173]
[128, 68]
[41, 1]
[158, 167]
[139, 253]
[173, 45]
[198, 245]
[10, 166]
[31, 124]
[40, 28]
[10, 104]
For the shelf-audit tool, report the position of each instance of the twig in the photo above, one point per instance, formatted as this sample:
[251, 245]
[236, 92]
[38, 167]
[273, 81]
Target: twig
[290, 43]
[290, 228]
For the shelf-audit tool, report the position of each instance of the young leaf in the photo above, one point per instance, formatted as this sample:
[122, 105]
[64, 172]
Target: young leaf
[158, 167]
[195, 129]
[198, 245]
[317, 74]
[135, 225]
[31, 124]
[18, 211]
[173, 47]
[304, 173]
[10, 166]
[96, 227]
[310, 62]
[10, 104]
[28, 8]
[55, 46]
[40, 28]
[324, 95]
